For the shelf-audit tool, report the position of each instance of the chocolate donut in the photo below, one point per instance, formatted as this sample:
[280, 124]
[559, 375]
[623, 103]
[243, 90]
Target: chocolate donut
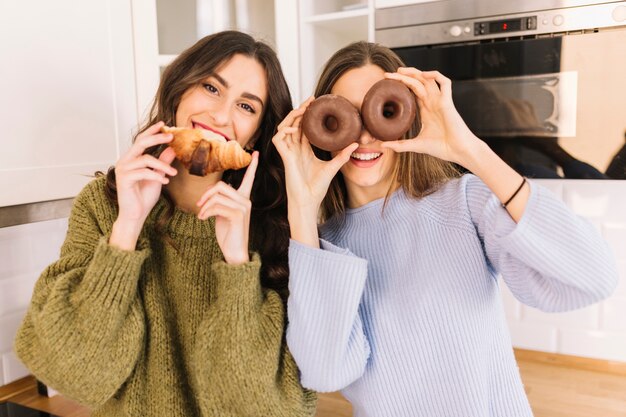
[331, 123]
[388, 110]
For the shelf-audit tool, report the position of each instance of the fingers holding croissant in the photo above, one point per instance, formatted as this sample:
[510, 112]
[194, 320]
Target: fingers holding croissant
[203, 152]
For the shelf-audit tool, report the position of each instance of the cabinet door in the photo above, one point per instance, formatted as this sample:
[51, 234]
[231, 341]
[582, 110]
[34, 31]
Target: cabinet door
[381, 4]
[68, 102]
[325, 27]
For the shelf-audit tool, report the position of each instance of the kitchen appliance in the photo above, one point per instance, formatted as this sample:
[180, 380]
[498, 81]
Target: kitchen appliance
[10, 409]
[543, 82]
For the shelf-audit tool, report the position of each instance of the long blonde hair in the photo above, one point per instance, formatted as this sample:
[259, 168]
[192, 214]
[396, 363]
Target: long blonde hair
[417, 174]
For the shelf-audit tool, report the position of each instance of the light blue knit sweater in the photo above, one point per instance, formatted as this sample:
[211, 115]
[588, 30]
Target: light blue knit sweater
[402, 312]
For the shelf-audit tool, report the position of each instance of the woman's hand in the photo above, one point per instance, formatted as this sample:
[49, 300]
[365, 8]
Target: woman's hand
[231, 209]
[138, 179]
[307, 177]
[444, 134]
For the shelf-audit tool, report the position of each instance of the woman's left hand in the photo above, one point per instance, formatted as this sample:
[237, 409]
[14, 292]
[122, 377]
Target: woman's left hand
[444, 134]
[231, 209]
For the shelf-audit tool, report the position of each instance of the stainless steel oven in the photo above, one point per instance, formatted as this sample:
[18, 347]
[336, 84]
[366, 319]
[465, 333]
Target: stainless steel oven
[543, 82]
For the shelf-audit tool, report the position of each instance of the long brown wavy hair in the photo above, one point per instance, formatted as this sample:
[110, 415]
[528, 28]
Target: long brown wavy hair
[418, 174]
[269, 199]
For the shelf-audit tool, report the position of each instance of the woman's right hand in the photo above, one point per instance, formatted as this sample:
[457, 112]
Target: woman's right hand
[139, 179]
[307, 177]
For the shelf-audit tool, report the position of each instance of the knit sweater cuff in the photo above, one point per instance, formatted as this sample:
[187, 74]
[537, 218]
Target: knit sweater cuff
[545, 219]
[239, 285]
[112, 275]
[549, 230]
[331, 270]
[326, 245]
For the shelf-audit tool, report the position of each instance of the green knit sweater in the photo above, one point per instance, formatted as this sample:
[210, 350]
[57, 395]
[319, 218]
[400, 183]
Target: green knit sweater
[158, 331]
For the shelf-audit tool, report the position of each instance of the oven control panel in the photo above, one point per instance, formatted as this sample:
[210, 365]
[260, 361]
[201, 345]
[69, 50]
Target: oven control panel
[519, 24]
[393, 27]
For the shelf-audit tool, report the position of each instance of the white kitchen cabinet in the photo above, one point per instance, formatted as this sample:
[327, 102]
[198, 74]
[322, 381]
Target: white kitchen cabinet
[68, 94]
[325, 27]
[381, 4]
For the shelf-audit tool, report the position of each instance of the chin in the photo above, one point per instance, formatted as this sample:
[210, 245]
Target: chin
[369, 184]
[364, 181]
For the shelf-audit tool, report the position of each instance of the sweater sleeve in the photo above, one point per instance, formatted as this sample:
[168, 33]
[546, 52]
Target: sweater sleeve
[241, 352]
[552, 259]
[325, 331]
[84, 329]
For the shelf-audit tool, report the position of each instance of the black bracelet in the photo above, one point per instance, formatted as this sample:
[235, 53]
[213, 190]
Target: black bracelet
[515, 193]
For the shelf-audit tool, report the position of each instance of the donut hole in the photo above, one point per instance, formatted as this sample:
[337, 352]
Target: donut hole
[331, 123]
[390, 109]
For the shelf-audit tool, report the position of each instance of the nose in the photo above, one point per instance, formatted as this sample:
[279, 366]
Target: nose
[222, 115]
[365, 138]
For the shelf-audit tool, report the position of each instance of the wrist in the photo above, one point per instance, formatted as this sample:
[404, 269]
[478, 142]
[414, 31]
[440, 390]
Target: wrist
[303, 225]
[238, 286]
[301, 213]
[476, 156]
[237, 259]
[125, 233]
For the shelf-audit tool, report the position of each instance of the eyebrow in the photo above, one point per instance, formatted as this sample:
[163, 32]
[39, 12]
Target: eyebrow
[245, 94]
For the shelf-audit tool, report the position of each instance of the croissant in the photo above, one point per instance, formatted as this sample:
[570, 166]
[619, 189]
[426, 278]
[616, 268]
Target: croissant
[202, 151]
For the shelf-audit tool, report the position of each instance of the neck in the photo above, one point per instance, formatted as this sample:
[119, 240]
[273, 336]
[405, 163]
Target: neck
[186, 189]
[360, 196]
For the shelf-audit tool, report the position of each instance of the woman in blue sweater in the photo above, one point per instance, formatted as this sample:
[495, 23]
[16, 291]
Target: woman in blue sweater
[394, 300]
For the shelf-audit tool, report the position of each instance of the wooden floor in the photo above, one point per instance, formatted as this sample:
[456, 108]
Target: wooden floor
[557, 386]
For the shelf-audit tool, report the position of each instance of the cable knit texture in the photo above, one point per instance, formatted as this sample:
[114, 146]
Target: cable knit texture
[156, 331]
[401, 310]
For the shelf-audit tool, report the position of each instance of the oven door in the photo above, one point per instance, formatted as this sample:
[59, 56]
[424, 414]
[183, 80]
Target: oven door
[552, 107]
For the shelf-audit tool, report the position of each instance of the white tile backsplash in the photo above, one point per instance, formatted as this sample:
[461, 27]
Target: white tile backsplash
[13, 368]
[615, 235]
[25, 251]
[9, 325]
[590, 207]
[614, 315]
[555, 186]
[605, 200]
[583, 318]
[46, 242]
[15, 293]
[593, 344]
[512, 307]
[15, 252]
[534, 336]
[620, 291]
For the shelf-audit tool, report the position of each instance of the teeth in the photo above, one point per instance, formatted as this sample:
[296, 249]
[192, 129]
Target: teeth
[365, 156]
[209, 135]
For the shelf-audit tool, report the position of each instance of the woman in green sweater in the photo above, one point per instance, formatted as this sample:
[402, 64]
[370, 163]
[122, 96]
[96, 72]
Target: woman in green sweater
[168, 297]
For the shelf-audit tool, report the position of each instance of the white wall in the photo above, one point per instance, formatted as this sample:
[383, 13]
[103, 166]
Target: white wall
[24, 252]
[598, 331]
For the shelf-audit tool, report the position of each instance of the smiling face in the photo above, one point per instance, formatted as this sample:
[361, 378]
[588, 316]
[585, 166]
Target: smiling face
[369, 173]
[229, 102]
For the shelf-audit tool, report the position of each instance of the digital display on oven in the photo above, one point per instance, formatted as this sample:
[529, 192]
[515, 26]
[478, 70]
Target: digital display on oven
[504, 26]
